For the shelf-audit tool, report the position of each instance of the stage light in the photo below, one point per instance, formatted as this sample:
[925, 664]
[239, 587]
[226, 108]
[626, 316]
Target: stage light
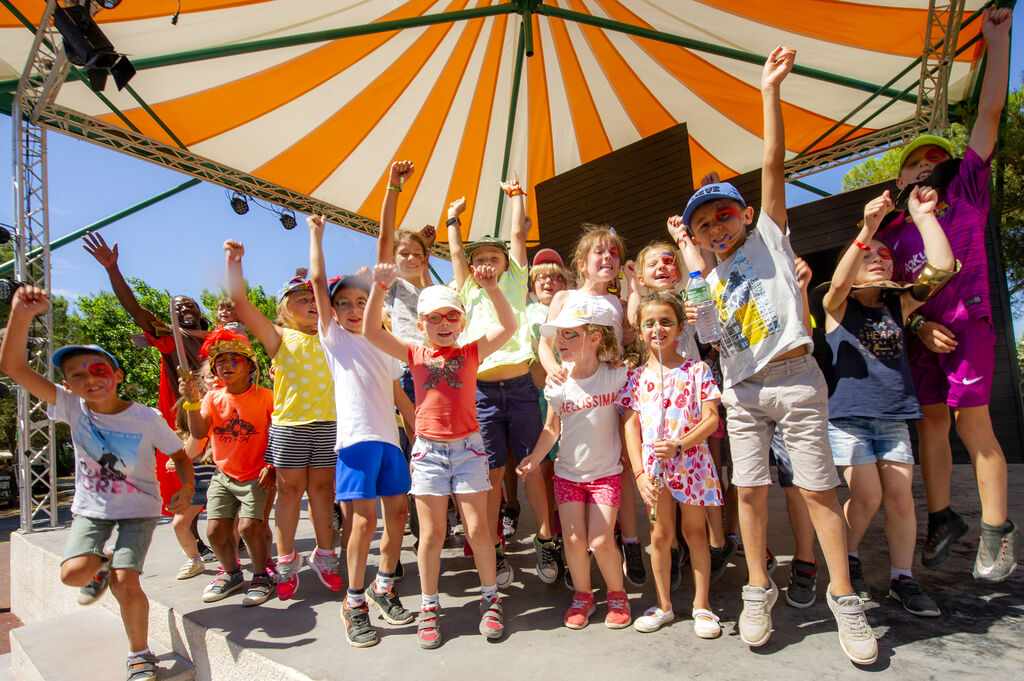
[5, 235]
[86, 46]
[122, 71]
[288, 219]
[239, 203]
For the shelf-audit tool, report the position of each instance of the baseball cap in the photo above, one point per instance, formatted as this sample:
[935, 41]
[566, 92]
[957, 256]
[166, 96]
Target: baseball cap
[710, 192]
[547, 255]
[296, 283]
[436, 297]
[578, 312]
[487, 240]
[335, 284]
[925, 140]
[61, 353]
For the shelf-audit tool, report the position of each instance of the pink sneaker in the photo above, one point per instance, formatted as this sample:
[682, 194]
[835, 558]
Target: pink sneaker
[618, 616]
[326, 569]
[287, 576]
[578, 614]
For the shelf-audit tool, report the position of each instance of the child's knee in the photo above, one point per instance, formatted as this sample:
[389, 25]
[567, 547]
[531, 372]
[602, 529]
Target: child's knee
[601, 542]
[218, 530]
[124, 584]
[661, 536]
[250, 529]
[79, 570]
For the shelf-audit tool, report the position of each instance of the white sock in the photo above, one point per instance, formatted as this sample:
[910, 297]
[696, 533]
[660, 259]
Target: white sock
[630, 540]
[144, 651]
[896, 573]
[287, 559]
[431, 601]
[489, 593]
[354, 598]
[324, 552]
[853, 554]
[383, 582]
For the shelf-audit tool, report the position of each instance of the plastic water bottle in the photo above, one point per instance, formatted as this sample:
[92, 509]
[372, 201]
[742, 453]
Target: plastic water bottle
[698, 294]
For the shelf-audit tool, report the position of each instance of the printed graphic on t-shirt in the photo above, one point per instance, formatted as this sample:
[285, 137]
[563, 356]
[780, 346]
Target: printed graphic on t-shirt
[111, 460]
[883, 339]
[235, 429]
[745, 311]
[443, 370]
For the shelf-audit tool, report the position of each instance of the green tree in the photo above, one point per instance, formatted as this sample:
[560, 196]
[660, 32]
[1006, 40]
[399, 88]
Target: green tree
[264, 303]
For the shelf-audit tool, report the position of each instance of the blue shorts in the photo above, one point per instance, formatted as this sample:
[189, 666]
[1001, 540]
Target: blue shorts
[367, 470]
[553, 454]
[509, 415]
[782, 461]
[858, 440]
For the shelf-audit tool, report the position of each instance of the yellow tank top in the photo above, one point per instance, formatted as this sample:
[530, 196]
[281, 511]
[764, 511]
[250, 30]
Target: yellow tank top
[303, 388]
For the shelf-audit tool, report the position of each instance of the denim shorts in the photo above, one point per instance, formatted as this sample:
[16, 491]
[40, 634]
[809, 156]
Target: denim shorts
[442, 468]
[89, 535]
[858, 440]
[367, 470]
[782, 463]
[509, 415]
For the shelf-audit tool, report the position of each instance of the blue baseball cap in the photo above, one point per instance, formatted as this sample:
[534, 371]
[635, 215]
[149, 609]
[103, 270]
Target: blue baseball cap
[335, 284]
[63, 352]
[710, 192]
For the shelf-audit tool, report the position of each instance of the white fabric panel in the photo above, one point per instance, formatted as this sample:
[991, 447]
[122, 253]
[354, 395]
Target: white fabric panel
[563, 131]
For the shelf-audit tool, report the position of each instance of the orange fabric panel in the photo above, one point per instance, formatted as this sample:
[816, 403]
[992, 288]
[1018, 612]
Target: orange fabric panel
[126, 11]
[197, 117]
[702, 163]
[591, 137]
[306, 164]
[541, 158]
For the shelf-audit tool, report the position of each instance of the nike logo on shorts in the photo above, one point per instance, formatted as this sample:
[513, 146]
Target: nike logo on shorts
[969, 381]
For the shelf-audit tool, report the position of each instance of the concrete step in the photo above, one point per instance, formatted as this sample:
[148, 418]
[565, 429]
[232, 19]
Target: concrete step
[6, 673]
[88, 645]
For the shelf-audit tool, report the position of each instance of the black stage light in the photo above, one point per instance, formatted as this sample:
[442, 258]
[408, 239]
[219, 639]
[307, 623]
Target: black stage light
[5, 235]
[86, 46]
[97, 79]
[122, 71]
[7, 288]
[288, 219]
[239, 204]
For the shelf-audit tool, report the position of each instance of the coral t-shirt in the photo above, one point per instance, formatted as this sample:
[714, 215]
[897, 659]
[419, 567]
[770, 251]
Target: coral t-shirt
[445, 380]
[239, 427]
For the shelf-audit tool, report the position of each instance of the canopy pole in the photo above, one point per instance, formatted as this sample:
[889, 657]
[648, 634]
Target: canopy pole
[516, 78]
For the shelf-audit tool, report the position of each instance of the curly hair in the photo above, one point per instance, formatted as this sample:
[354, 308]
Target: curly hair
[608, 348]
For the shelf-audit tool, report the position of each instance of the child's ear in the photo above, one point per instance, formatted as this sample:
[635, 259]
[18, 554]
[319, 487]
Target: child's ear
[748, 215]
[900, 183]
[118, 377]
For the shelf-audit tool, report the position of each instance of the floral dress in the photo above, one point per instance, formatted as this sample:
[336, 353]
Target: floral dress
[691, 477]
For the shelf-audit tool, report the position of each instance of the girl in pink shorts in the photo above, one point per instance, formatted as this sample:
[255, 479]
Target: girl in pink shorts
[587, 471]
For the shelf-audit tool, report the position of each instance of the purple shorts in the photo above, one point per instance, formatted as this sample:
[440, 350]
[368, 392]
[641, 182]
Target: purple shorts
[962, 378]
[605, 491]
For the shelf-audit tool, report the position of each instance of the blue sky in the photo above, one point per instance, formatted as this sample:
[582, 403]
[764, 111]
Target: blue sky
[176, 244]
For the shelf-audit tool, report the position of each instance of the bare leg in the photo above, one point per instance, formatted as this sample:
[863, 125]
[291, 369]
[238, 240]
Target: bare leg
[291, 485]
[936, 455]
[473, 508]
[253, 533]
[695, 533]
[537, 495]
[493, 506]
[79, 570]
[125, 586]
[830, 527]
[663, 532]
[220, 534]
[396, 511]
[753, 508]
[900, 523]
[364, 523]
[800, 521]
[320, 491]
[974, 426]
[601, 536]
[182, 525]
[865, 498]
[433, 514]
[573, 515]
[716, 533]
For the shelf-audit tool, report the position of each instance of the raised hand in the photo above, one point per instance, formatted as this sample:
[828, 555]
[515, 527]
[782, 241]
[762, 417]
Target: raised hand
[365, 274]
[234, 250]
[995, 24]
[512, 187]
[710, 178]
[922, 201]
[486, 276]
[316, 225]
[429, 233]
[677, 229]
[777, 67]
[95, 246]
[400, 172]
[876, 209]
[30, 300]
[456, 207]
[803, 272]
[384, 274]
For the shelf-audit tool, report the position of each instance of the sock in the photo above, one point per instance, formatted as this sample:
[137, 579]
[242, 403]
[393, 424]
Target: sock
[324, 552]
[540, 540]
[287, 559]
[853, 554]
[808, 566]
[430, 601]
[489, 593]
[355, 598]
[630, 540]
[384, 581]
[992, 535]
[896, 573]
[144, 651]
[940, 517]
[236, 571]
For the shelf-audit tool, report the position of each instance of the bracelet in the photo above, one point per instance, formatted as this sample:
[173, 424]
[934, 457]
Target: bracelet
[915, 322]
[679, 447]
[393, 188]
[637, 476]
[383, 285]
[863, 247]
[453, 221]
[191, 487]
[515, 191]
[188, 405]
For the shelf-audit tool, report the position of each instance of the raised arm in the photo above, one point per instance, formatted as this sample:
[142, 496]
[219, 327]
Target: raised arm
[517, 197]
[317, 275]
[846, 271]
[995, 26]
[487, 278]
[95, 246]
[399, 173]
[803, 280]
[384, 274]
[460, 267]
[773, 175]
[546, 346]
[28, 302]
[938, 254]
[198, 425]
[266, 332]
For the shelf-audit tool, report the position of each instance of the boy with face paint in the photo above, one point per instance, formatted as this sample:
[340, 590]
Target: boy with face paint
[951, 342]
[115, 471]
[771, 380]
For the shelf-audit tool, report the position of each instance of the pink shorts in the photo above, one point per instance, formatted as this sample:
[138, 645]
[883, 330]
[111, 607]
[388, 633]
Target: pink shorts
[962, 378]
[605, 491]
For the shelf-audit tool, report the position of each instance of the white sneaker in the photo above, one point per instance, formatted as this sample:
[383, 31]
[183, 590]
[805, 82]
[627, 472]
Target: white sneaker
[191, 568]
[504, 569]
[855, 634]
[756, 617]
[653, 619]
[706, 624]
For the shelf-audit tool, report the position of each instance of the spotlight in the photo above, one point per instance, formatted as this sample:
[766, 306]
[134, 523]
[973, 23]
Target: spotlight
[288, 220]
[239, 204]
[5, 235]
[86, 45]
[7, 288]
[122, 71]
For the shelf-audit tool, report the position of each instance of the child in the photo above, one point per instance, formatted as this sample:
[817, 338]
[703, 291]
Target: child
[228, 318]
[236, 418]
[370, 462]
[951, 343]
[303, 428]
[771, 380]
[587, 481]
[115, 471]
[507, 400]
[675, 409]
[871, 393]
[448, 457]
[657, 269]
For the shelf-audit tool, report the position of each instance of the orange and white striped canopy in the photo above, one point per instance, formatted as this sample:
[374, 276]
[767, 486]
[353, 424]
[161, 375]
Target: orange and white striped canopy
[275, 89]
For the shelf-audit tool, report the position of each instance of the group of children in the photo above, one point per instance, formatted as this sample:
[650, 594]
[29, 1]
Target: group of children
[596, 397]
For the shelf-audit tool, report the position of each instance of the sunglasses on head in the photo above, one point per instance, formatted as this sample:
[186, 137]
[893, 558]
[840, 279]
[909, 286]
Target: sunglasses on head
[436, 317]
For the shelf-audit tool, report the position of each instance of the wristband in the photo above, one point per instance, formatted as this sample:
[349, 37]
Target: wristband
[679, 447]
[188, 405]
[863, 247]
[453, 221]
[637, 476]
[191, 487]
[915, 322]
[515, 191]
[393, 188]
[383, 285]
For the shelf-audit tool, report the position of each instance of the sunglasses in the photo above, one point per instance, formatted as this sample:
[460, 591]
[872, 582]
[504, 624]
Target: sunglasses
[436, 317]
[568, 334]
[664, 323]
[549, 277]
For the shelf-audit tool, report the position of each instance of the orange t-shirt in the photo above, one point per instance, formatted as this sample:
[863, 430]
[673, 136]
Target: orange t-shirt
[445, 380]
[239, 429]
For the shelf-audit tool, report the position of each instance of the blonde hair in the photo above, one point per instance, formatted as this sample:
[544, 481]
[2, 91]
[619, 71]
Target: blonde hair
[404, 236]
[608, 348]
[550, 268]
[284, 317]
[592, 235]
[657, 246]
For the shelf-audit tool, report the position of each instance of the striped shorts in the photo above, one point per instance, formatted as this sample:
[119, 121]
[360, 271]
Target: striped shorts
[302, 446]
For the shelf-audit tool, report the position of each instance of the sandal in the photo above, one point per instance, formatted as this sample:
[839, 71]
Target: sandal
[492, 624]
[428, 631]
[706, 624]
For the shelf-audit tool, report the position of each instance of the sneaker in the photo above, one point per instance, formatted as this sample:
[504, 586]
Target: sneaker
[399, 571]
[653, 619]
[735, 539]
[940, 537]
[358, 631]
[633, 564]
[271, 569]
[992, 567]
[504, 569]
[190, 568]
[769, 561]
[288, 577]
[205, 552]
[578, 614]
[803, 583]
[706, 624]
[756, 617]
[223, 584]
[720, 558]
[91, 592]
[492, 621]
[428, 631]
[326, 569]
[261, 588]
[860, 585]
[618, 616]
[142, 667]
[547, 560]
[855, 635]
[510, 522]
[390, 606]
[907, 591]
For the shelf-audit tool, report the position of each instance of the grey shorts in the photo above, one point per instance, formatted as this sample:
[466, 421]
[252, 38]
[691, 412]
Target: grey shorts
[442, 468]
[790, 396]
[89, 535]
[227, 498]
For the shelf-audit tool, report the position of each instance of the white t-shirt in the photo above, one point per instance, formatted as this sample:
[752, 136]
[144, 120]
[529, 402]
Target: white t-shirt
[115, 458]
[589, 448]
[364, 380]
[759, 302]
[400, 301]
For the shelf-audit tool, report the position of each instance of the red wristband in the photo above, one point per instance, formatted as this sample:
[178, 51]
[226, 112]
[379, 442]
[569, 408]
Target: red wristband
[383, 285]
[637, 476]
[863, 247]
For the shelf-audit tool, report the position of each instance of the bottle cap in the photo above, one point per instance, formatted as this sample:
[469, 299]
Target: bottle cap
[694, 274]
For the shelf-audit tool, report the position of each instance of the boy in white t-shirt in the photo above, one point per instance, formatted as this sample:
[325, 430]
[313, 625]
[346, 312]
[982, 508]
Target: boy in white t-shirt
[115, 471]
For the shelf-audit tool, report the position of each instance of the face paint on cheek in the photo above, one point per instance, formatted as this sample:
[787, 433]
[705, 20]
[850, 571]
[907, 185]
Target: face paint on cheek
[728, 212]
[100, 369]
